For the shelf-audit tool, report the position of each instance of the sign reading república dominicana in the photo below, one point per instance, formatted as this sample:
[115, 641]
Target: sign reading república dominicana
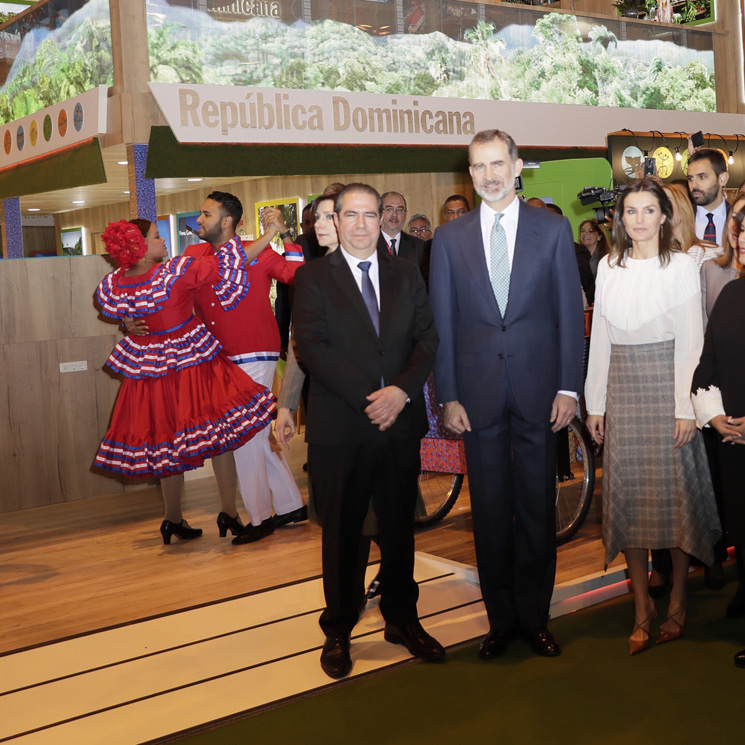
[467, 51]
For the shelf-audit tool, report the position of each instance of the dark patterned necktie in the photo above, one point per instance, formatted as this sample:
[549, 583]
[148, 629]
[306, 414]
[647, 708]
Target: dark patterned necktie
[392, 247]
[710, 232]
[369, 296]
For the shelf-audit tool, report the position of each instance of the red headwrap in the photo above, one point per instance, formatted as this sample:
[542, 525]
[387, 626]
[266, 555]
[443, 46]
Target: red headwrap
[124, 243]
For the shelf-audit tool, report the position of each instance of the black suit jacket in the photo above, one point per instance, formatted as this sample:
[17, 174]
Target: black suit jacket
[346, 359]
[411, 248]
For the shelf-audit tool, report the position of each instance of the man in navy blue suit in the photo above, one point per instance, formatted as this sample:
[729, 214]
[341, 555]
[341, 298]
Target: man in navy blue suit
[507, 300]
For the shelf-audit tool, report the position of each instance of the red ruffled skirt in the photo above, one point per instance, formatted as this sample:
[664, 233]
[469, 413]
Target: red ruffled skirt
[166, 425]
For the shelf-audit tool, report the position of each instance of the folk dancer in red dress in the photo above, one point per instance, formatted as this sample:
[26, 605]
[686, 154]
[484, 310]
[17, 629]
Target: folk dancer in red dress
[182, 400]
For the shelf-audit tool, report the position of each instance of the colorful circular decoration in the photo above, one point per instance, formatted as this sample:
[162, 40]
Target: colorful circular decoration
[684, 160]
[77, 116]
[20, 138]
[34, 133]
[8, 141]
[632, 158]
[62, 123]
[47, 128]
[665, 162]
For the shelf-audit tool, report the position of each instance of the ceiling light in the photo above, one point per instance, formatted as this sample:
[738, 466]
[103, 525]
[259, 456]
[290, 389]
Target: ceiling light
[678, 156]
[78, 201]
[195, 179]
[125, 192]
[34, 209]
[122, 162]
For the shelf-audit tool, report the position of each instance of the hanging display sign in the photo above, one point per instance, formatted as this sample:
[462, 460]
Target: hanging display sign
[238, 114]
[56, 127]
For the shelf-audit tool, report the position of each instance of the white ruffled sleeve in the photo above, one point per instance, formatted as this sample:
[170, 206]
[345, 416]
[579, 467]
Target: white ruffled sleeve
[596, 383]
[707, 404]
[689, 341]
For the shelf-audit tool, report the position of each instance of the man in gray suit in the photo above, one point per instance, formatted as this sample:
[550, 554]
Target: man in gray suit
[505, 291]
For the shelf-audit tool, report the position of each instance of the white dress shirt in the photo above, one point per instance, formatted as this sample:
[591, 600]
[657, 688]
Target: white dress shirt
[353, 261]
[720, 221]
[389, 238]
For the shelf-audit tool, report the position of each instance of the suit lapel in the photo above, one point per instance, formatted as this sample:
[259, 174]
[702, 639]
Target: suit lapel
[528, 235]
[342, 275]
[387, 277]
[474, 257]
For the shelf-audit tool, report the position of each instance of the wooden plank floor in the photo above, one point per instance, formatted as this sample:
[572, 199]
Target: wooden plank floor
[73, 568]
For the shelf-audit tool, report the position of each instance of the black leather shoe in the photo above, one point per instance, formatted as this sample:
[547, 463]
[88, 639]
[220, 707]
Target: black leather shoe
[542, 642]
[296, 516]
[374, 588]
[740, 658]
[494, 644]
[335, 659]
[415, 639]
[253, 533]
[714, 577]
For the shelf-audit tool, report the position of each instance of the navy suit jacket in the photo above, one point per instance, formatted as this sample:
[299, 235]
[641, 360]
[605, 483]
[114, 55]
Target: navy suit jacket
[541, 336]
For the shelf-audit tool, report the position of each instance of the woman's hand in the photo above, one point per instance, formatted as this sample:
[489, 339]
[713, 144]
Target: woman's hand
[596, 426]
[735, 430]
[684, 431]
[721, 424]
[135, 326]
[284, 427]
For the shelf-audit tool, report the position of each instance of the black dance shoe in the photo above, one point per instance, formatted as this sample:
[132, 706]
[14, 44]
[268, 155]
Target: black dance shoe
[253, 533]
[226, 523]
[296, 516]
[180, 530]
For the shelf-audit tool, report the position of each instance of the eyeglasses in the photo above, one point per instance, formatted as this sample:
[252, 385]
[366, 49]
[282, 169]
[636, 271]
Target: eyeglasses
[398, 210]
[417, 231]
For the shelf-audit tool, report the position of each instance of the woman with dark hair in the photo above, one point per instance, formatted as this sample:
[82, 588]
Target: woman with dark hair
[719, 402]
[647, 333]
[181, 400]
[592, 237]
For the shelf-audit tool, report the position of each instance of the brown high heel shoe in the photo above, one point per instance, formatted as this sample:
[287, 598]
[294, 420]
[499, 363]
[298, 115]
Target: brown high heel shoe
[636, 646]
[679, 621]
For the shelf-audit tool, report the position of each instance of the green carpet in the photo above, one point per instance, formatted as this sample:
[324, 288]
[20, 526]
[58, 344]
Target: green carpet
[685, 692]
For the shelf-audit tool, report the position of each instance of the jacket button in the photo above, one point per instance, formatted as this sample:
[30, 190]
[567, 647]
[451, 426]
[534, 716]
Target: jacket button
[501, 356]
[504, 328]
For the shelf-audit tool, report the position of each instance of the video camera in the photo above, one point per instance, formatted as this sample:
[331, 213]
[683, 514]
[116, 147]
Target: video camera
[606, 198]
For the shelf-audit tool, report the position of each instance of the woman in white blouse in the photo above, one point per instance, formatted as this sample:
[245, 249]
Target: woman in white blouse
[646, 333]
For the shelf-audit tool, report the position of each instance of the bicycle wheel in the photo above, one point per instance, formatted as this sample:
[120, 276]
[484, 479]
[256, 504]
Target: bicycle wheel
[437, 495]
[574, 494]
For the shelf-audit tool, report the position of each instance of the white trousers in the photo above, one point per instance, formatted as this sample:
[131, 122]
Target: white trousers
[263, 474]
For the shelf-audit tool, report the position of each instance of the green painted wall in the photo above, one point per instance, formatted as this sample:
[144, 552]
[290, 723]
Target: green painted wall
[562, 180]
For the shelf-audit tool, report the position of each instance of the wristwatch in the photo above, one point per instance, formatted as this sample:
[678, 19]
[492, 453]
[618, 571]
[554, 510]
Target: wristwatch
[287, 234]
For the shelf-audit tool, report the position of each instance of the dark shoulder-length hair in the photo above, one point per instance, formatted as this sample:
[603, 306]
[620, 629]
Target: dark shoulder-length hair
[621, 241]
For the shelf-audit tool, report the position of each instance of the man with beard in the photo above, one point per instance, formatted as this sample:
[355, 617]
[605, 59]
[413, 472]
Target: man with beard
[505, 291]
[246, 328]
[707, 177]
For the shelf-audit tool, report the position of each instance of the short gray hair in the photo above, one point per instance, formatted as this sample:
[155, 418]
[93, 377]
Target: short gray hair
[420, 216]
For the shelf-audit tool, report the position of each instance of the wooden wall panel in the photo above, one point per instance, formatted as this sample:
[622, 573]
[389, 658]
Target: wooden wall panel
[53, 422]
[424, 192]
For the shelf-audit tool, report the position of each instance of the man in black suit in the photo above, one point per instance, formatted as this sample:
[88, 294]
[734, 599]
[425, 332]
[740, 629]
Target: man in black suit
[392, 237]
[505, 292]
[366, 335]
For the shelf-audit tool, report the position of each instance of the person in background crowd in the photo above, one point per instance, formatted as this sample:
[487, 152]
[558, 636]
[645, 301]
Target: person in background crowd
[646, 339]
[506, 295]
[392, 237]
[592, 237]
[684, 228]
[420, 227]
[181, 400]
[455, 206]
[707, 177]
[719, 402]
